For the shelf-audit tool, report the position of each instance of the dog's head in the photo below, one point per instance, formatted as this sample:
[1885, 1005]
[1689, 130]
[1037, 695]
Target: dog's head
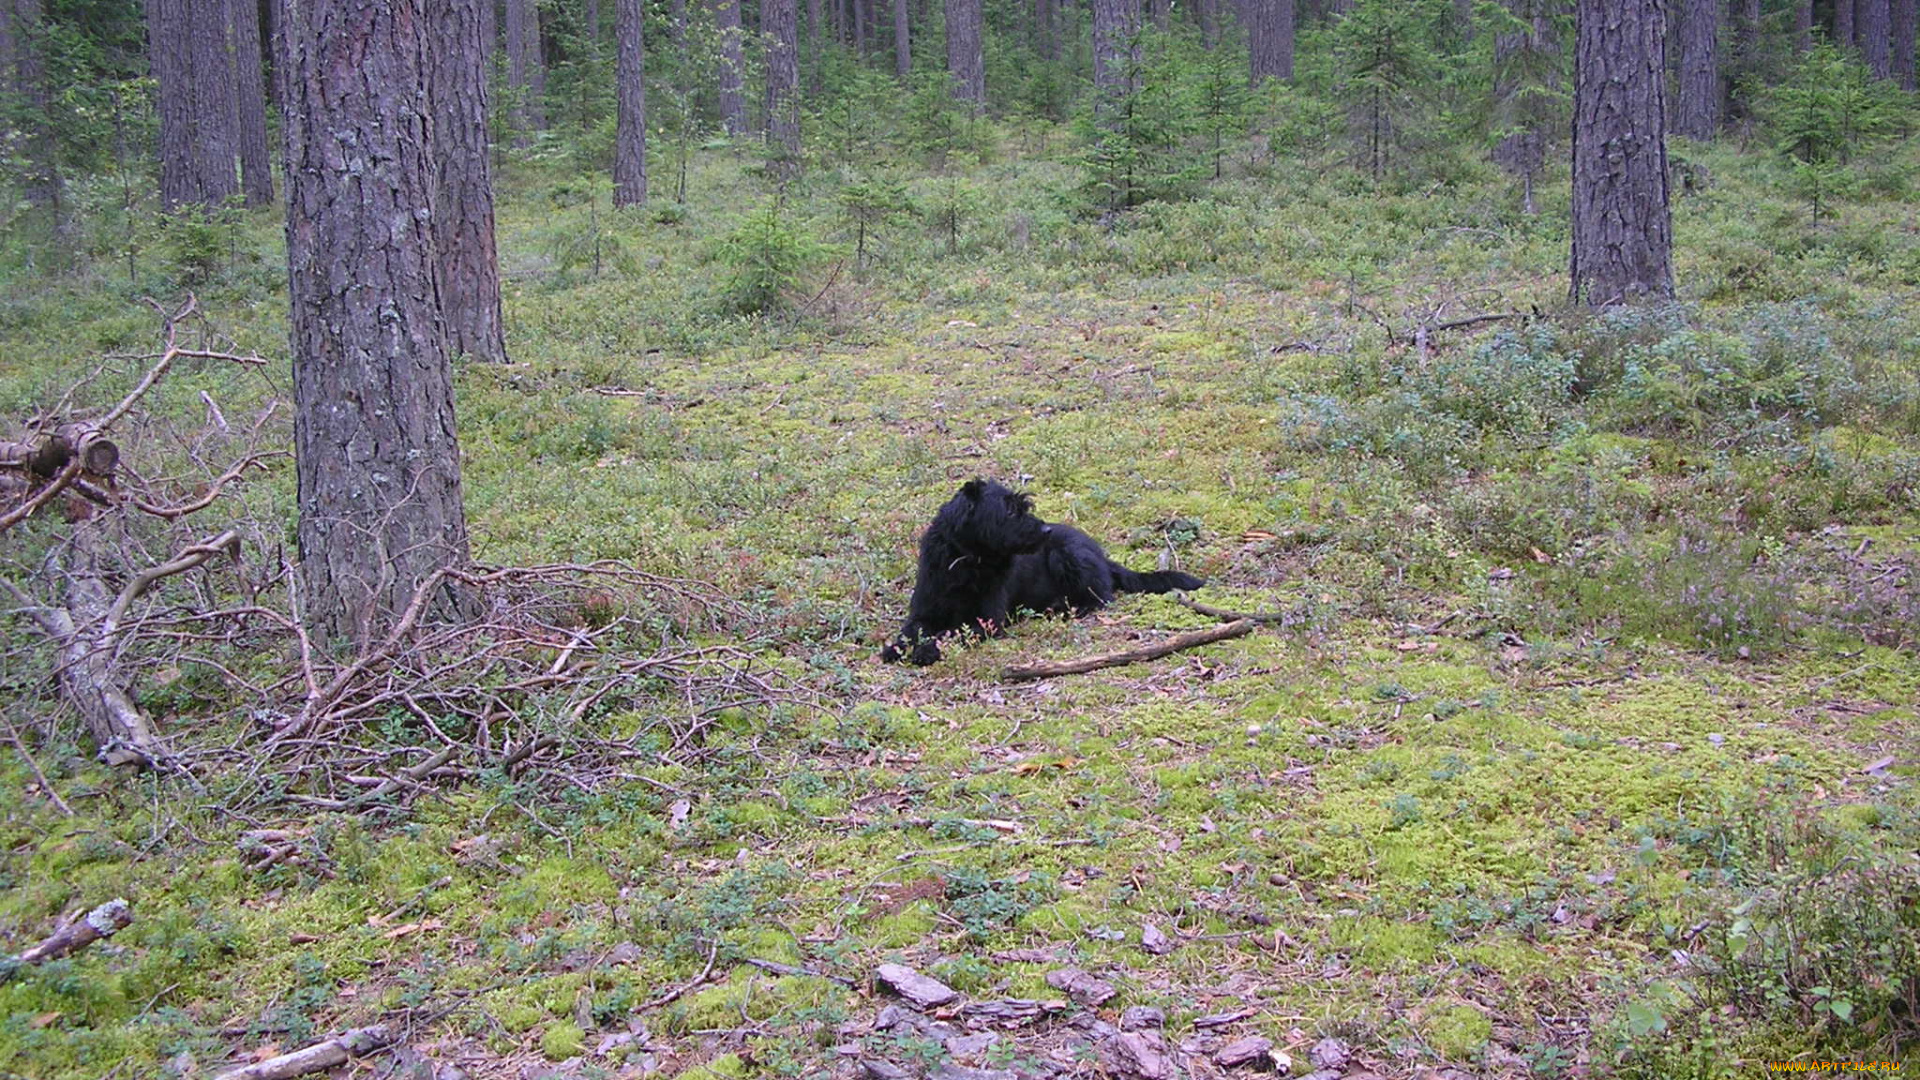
[988, 517]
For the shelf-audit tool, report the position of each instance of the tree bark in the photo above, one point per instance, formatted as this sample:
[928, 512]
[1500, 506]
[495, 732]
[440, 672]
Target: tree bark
[780, 23]
[1803, 25]
[593, 21]
[816, 44]
[184, 156]
[465, 251]
[376, 456]
[1902, 42]
[902, 44]
[215, 105]
[1622, 228]
[1873, 25]
[1209, 14]
[965, 61]
[630, 136]
[526, 71]
[1161, 11]
[1843, 23]
[1114, 25]
[733, 65]
[1696, 107]
[1270, 39]
[249, 89]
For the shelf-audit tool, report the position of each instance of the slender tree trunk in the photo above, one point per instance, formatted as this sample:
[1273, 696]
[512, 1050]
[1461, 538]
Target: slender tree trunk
[1843, 23]
[1902, 42]
[1743, 80]
[1209, 13]
[816, 45]
[965, 62]
[1161, 11]
[249, 89]
[1114, 25]
[630, 140]
[1622, 228]
[1873, 23]
[27, 75]
[862, 13]
[733, 65]
[780, 23]
[526, 71]
[375, 452]
[1803, 25]
[593, 21]
[1270, 39]
[464, 247]
[1696, 110]
[1523, 152]
[214, 109]
[902, 42]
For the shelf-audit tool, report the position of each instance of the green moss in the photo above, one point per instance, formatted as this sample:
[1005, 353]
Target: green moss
[1456, 1032]
[1385, 944]
[563, 1040]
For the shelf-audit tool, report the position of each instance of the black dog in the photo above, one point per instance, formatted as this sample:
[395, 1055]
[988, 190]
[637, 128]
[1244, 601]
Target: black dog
[986, 556]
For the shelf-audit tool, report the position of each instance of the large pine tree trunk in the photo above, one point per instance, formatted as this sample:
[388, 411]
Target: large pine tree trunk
[1114, 25]
[249, 90]
[1622, 228]
[1696, 107]
[1270, 39]
[965, 61]
[214, 110]
[1843, 23]
[171, 57]
[375, 451]
[780, 23]
[630, 137]
[1902, 42]
[467, 261]
[733, 65]
[902, 42]
[1873, 26]
[526, 71]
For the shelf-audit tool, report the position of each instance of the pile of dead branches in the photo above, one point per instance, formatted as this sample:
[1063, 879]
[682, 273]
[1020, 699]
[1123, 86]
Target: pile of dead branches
[128, 592]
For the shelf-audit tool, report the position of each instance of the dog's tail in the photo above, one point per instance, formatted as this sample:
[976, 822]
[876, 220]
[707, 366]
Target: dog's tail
[1160, 581]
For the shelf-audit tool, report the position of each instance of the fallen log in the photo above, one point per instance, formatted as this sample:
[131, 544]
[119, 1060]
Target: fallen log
[102, 922]
[1174, 644]
[338, 1050]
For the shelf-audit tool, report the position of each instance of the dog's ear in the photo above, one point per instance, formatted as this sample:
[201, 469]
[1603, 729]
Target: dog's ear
[973, 489]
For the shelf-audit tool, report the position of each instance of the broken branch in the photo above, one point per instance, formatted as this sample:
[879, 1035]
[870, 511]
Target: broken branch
[1237, 628]
[102, 922]
[325, 1055]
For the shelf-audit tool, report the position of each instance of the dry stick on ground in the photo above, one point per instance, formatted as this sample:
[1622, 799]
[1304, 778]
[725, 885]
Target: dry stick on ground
[1237, 628]
[338, 1050]
[102, 922]
[1283, 617]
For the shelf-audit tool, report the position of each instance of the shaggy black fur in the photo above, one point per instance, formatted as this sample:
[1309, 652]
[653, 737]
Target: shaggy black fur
[986, 557]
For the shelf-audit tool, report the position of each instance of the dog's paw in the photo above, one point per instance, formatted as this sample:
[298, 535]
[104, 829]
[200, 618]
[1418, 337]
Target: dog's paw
[890, 654]
[926, 653]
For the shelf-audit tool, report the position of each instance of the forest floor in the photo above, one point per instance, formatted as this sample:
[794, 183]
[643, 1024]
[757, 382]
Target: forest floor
[1587, 747]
